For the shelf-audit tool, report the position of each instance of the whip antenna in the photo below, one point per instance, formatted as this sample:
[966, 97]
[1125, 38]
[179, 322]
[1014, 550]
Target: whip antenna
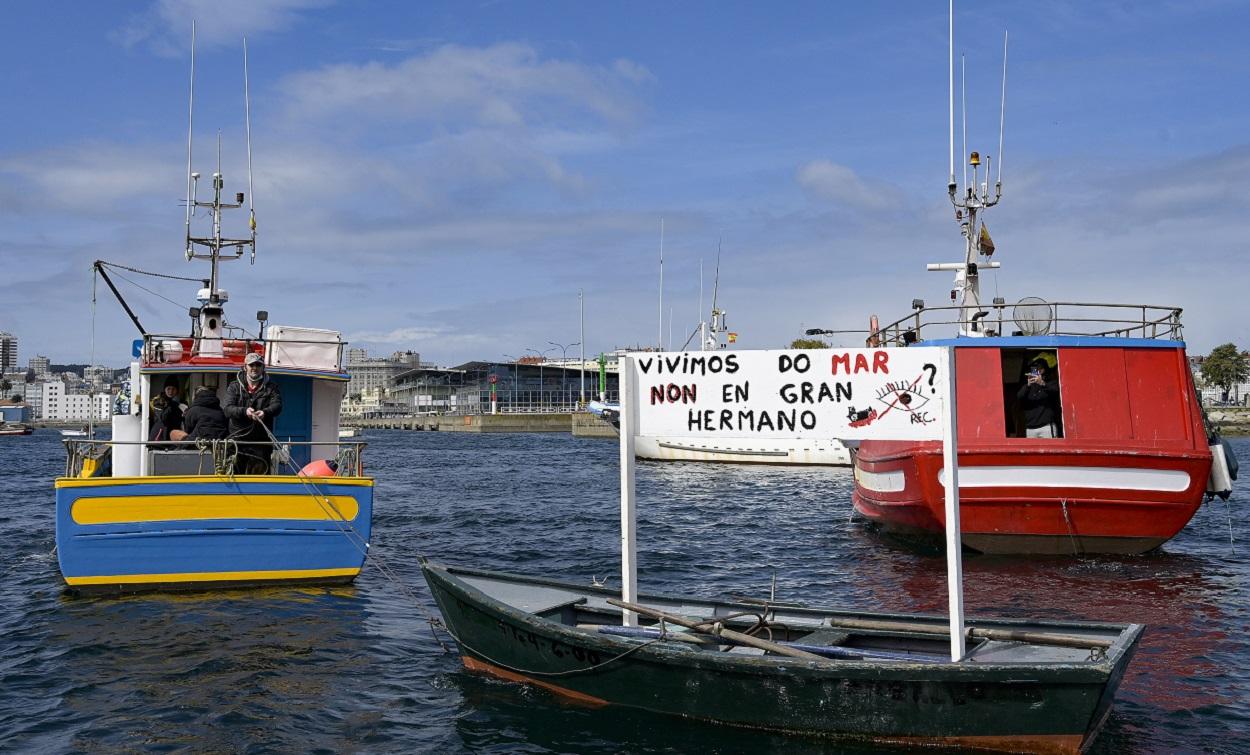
[660, 335]
[952, 95]
[247, 119]
[190, 115]
[1002, 118]
[963, 112]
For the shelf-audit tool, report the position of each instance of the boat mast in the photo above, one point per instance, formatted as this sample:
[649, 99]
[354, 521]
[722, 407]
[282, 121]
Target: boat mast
[969, 204]
[711, 341]
[215, 248]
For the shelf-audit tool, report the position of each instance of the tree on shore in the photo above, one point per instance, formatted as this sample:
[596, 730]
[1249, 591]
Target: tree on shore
[808, 343]
[1225, 366]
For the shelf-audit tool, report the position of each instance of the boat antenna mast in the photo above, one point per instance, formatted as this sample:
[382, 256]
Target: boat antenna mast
[717, 326]
[969, 203]
[216, 248]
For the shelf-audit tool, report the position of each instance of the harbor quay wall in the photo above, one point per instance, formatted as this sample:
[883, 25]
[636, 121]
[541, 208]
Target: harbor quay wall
[586, 425]
[554, 422]
[1231, 420]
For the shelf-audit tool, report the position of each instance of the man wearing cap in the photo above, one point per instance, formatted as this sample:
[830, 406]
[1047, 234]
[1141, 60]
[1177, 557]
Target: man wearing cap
[252, 404]
[1039, 401]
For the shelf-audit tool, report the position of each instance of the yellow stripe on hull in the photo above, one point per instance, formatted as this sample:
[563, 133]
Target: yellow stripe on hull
[92, 482]
[226, 576]
[179, 507]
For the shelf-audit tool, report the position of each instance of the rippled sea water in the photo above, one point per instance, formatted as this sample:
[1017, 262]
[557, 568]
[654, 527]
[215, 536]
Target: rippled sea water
[358, 669]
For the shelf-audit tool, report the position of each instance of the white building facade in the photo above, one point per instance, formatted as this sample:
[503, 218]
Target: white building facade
[58, 406]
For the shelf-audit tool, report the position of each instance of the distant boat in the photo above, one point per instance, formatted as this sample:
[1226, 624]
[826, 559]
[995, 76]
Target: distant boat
[711, 447]
[15, 428]
[75, 433]
[350, 432]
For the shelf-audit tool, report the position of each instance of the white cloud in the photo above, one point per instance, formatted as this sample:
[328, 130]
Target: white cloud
[830, 182]
[165, 26]
[505, 85]
[93, 175]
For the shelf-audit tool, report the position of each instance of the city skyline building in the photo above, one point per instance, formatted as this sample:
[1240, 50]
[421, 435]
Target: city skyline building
[8, 352]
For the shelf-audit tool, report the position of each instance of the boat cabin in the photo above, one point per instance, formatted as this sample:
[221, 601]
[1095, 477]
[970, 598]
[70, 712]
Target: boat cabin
[1135, 391]
[1120, 371]
[305, 365]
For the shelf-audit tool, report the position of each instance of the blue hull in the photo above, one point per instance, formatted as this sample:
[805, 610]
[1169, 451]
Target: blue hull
[153, 533]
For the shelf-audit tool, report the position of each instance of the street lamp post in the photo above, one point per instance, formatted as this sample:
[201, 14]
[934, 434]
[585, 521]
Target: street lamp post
[542, 357]
[564, 370]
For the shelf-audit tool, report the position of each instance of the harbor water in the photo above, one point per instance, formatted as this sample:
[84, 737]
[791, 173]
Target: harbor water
[359, 668]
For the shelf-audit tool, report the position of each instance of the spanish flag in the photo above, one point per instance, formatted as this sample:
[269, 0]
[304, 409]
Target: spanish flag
[733, 337]
[984, 242]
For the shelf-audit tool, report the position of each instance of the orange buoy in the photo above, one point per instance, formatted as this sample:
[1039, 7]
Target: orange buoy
[319, 468]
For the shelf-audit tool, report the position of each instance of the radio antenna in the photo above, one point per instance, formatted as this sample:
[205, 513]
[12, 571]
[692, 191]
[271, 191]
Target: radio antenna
[963, 110]
[951, 47]
[247, 119]
[660, 335]
[190, 115]
[1002, 119]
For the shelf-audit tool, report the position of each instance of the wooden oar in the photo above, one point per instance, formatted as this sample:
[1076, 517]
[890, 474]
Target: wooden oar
[1003, 635]
[711, 627]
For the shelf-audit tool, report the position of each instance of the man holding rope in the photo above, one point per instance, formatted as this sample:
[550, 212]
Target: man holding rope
[252, 404]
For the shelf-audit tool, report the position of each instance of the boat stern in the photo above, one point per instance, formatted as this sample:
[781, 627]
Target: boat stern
[185, 533]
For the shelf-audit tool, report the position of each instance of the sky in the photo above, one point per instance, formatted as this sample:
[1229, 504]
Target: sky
[446, 177]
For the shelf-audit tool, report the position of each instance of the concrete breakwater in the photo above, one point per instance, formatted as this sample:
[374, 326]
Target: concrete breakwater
[1231, 420]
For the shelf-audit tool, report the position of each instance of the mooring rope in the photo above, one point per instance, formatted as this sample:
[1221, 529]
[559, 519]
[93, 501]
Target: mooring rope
[347, 530]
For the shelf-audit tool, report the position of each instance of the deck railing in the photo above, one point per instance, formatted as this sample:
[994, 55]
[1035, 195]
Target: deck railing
[1064, 319]
[214, 456]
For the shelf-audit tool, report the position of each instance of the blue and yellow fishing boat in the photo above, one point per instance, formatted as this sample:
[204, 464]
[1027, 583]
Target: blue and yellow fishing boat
[147, 510]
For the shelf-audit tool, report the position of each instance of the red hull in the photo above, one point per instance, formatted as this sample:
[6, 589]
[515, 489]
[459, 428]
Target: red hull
[1028, 513]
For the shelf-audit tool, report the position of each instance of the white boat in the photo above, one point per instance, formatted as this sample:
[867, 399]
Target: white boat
[74, 433]
[713, 448]
[350, 432]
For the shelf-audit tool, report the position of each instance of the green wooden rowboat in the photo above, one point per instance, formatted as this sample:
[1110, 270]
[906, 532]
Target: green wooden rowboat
[1036, 686]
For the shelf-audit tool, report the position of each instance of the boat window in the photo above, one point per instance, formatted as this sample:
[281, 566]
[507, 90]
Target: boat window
[1031, 394]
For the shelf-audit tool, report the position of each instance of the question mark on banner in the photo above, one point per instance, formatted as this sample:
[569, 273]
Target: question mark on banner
[932, 369]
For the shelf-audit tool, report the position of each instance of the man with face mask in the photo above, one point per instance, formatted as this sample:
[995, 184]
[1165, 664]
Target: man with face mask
[252, 404]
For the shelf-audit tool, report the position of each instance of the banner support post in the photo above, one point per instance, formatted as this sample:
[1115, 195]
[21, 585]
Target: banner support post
[629, 523]
[954, 540]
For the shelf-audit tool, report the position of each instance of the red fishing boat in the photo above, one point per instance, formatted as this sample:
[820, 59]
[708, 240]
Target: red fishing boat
[1115, 458]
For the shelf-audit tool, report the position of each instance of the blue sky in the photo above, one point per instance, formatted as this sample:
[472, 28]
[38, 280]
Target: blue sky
[444, 177]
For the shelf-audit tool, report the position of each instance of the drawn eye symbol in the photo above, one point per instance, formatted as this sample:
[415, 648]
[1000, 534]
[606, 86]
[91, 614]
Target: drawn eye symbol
[902, 397]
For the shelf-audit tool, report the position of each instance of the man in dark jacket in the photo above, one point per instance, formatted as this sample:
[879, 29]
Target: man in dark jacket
[252, 404]
[205, 419]
[1039, 400]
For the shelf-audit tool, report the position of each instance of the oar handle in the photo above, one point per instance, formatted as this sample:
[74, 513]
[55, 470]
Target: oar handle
[711, 627]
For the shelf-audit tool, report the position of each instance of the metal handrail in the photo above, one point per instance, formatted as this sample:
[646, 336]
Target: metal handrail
[348, 453]
[1154, 322]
